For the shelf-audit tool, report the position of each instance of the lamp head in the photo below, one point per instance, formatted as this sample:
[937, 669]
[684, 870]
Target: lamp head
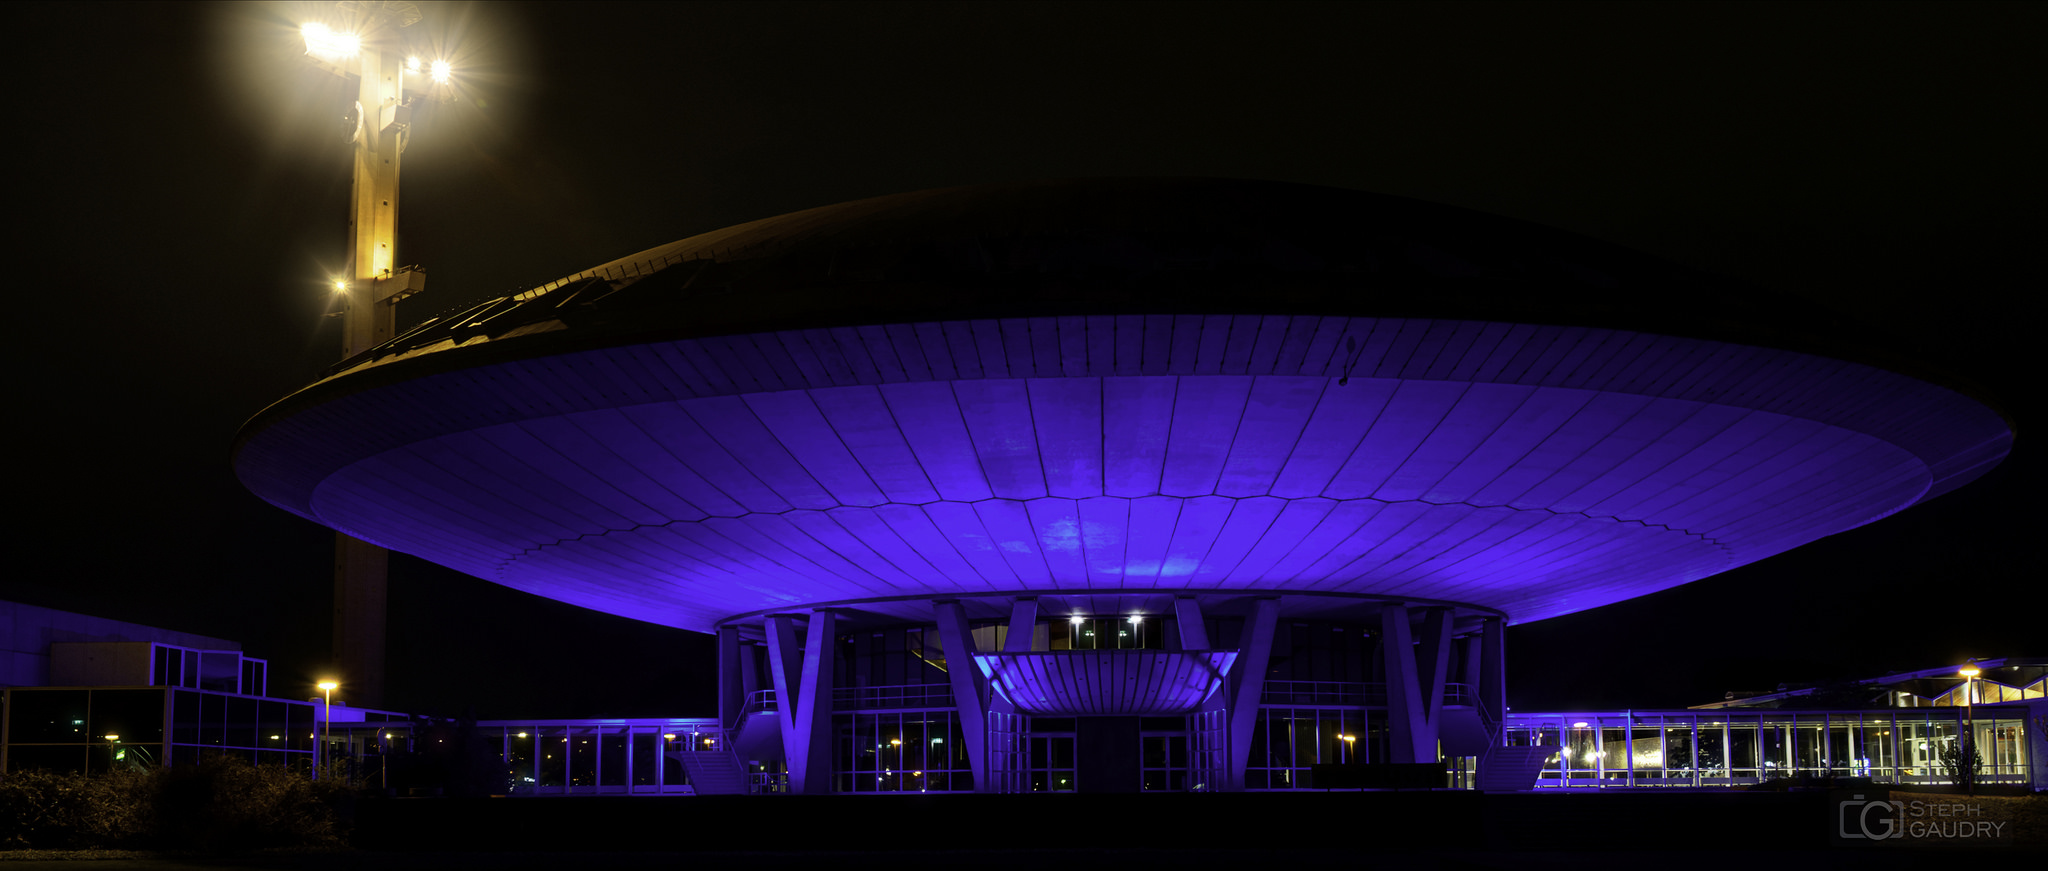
[328, 685]
[329, 44]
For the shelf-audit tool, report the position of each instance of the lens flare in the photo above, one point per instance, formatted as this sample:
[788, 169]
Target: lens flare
[324, 42]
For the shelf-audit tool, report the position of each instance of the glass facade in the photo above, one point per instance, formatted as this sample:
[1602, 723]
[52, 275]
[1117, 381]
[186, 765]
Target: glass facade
[1733, 748]
[900, 751]
[595, 757]
[65, 729]
[1288, 742]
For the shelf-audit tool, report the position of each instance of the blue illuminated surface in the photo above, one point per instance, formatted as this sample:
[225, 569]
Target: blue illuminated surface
[1106, 683]
[624, 480]
[894, 399]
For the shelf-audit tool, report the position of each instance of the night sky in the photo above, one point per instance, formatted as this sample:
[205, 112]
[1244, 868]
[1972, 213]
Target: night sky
[186, 183]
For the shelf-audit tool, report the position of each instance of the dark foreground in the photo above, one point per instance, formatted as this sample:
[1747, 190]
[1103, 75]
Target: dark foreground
[1441, 829]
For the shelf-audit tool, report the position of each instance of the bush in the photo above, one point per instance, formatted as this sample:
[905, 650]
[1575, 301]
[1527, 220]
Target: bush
[41, 809]
[219, 804]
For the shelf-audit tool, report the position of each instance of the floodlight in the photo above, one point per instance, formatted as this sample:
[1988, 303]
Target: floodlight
[442, 72]
[1075, 620]
[329, 44]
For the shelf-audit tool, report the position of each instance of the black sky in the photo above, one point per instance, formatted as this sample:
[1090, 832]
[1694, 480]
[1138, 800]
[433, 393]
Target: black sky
[182, 182]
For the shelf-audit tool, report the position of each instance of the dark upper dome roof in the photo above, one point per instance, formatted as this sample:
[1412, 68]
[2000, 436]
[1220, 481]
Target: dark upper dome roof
[1111, 246]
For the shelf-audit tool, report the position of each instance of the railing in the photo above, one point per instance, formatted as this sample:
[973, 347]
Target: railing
[1353, 694]
[935, 695]
[932, 695]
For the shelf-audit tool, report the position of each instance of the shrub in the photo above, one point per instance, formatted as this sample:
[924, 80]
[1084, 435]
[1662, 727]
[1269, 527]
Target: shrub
[219, 804]
[50, 810]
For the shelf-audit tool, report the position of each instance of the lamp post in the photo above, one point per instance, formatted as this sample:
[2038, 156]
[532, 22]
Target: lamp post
[1968, 768]
[326, 724]
[358, 43]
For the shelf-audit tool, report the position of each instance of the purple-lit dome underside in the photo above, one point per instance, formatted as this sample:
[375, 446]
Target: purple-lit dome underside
[1537, 470]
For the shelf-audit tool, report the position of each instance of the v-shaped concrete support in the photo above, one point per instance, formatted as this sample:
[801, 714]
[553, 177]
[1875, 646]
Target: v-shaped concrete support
[970, 704]
[804, 698]
[1247, 682]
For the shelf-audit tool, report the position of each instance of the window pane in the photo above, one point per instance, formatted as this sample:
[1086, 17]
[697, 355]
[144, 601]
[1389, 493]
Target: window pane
[554, 757]
[241, 723]
[583, 758]
[646, 758]
[135, 715]
[59, 759]
[212, 711]
[47, 716]
[612, 756]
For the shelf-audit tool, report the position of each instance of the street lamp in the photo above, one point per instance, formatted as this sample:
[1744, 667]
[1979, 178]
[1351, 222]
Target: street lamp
[1968, 768]
[326, 724]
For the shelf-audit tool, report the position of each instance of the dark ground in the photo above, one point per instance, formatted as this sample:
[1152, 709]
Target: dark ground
[1412, 829]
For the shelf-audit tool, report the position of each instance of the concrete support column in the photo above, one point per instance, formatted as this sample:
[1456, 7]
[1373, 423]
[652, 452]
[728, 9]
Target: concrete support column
[1468, 660]
[1023, 625]
[970, 703]
[1433, 665]
[1493, 668]
[731, 692]
[1187, 614]
[1247, 683]
[803, 698]
[361, 578]
[1415, 684]
[750, 670]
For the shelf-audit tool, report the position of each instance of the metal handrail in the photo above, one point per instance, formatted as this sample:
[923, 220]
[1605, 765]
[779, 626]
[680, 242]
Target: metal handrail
[1330, 692]
[930, 695]
[936, 695]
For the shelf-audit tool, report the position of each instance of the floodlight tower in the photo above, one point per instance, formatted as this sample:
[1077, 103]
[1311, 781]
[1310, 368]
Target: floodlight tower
[362, 43]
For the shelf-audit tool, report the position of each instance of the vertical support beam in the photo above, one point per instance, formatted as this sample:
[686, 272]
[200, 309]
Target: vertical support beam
[361, 578]
[1493, 661]
[1247, 682]
[732, 695]
[1412, 738]
[1023, 624]
[750, 669]
[803, 698]
[1187, 614]
[1468, 660]
[1628, 744]
[969, 705]
[1433, 668]
[815, 706]
[785, 656]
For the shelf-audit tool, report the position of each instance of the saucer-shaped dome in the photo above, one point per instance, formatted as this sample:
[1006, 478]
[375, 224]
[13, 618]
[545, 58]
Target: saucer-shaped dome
[1117, 387]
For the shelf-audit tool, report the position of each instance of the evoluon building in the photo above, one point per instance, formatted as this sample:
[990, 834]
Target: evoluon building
[1121, 484]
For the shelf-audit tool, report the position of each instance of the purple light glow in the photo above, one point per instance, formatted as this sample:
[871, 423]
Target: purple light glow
[1549, 471]
[1125, 683]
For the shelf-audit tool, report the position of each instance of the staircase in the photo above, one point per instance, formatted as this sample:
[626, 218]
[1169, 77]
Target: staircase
[714, 772]
[1472, 730]
[1513, 768]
